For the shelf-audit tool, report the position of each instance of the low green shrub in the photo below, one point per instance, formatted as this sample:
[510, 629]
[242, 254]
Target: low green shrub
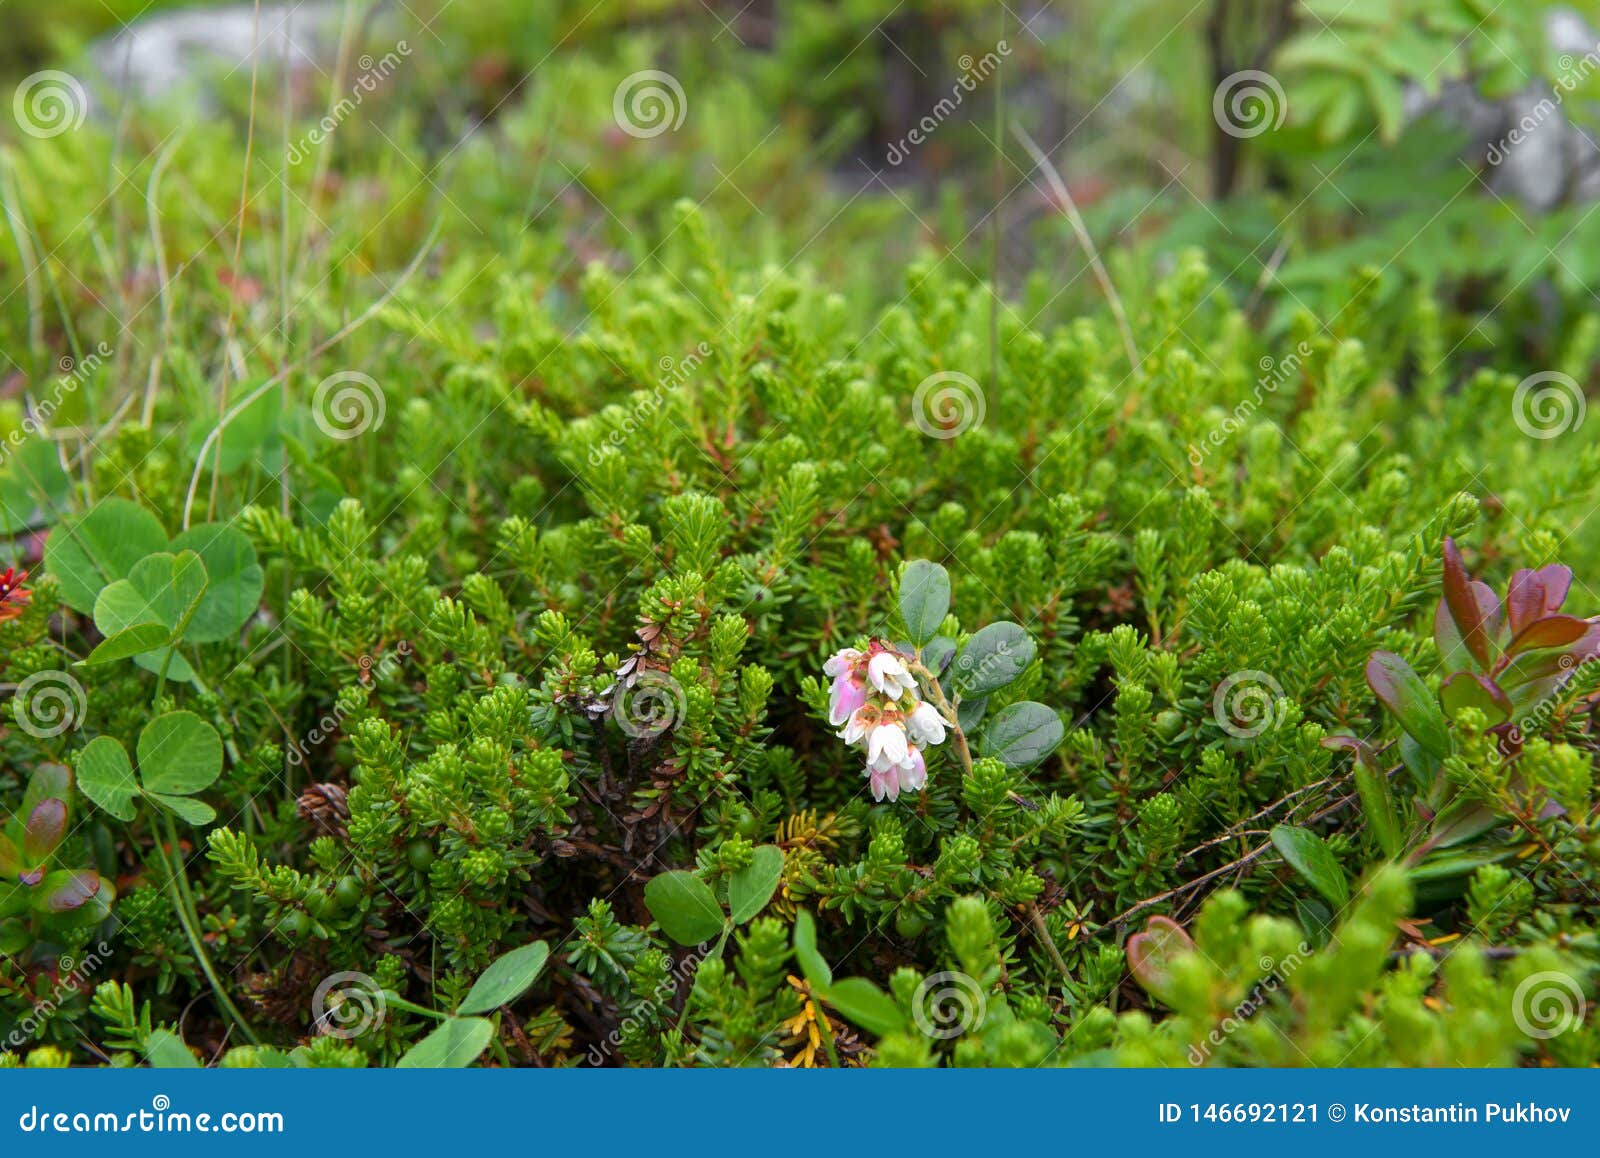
[475, 705]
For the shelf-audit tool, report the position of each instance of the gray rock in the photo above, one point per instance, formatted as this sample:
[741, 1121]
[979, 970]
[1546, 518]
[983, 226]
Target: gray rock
[160, 56]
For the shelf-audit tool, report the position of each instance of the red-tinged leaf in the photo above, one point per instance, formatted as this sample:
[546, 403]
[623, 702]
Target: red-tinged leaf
[1467, 689]
[1150, 954]
[1463, 604]
[1453, 652]
[66, 890]
[1524, 599]
[1403, 693]
[1557, 581]
[45, 829]
[47, 780]
[1363, 751]
[10, 861]
[1461, 822]
[1551, 631]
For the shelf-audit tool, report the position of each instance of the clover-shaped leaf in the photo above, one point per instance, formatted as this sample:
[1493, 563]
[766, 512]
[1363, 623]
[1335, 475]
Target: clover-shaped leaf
[179, 755]
[162, 590]
[234, 589]
[99, 547]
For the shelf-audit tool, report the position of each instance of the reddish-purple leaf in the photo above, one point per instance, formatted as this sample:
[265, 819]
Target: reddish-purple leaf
[46, 828]
[1524, 599]
[1551, 631]
[1360, 748]
[47, 780]
[1467, 689]
[67, 890]
[1557, 581]
[1464, 605]
[1151, 953]
[1453, 652]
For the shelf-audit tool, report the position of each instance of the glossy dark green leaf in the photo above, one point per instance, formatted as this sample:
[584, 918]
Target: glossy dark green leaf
[47, 781]
[1372, 785]
[924, 599]
[1022, 734]
[992, 658]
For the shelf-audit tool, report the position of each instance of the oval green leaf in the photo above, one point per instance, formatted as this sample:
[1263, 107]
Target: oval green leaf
[684, 906]
[752, 886]
[507, 979]
[1022, 734]
[924, 599]
[1309, 855]
[993, 657]
[455, 1045]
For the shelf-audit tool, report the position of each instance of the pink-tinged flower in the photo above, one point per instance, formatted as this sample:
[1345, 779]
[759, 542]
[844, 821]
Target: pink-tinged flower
[845, 660]
[925, 725]
[889, 675]
[913, 773]
[862, 721]
[848, 694]
[886, 746]
[884, 784]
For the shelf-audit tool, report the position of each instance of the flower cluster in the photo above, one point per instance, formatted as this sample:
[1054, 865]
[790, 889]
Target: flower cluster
[874, 698]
